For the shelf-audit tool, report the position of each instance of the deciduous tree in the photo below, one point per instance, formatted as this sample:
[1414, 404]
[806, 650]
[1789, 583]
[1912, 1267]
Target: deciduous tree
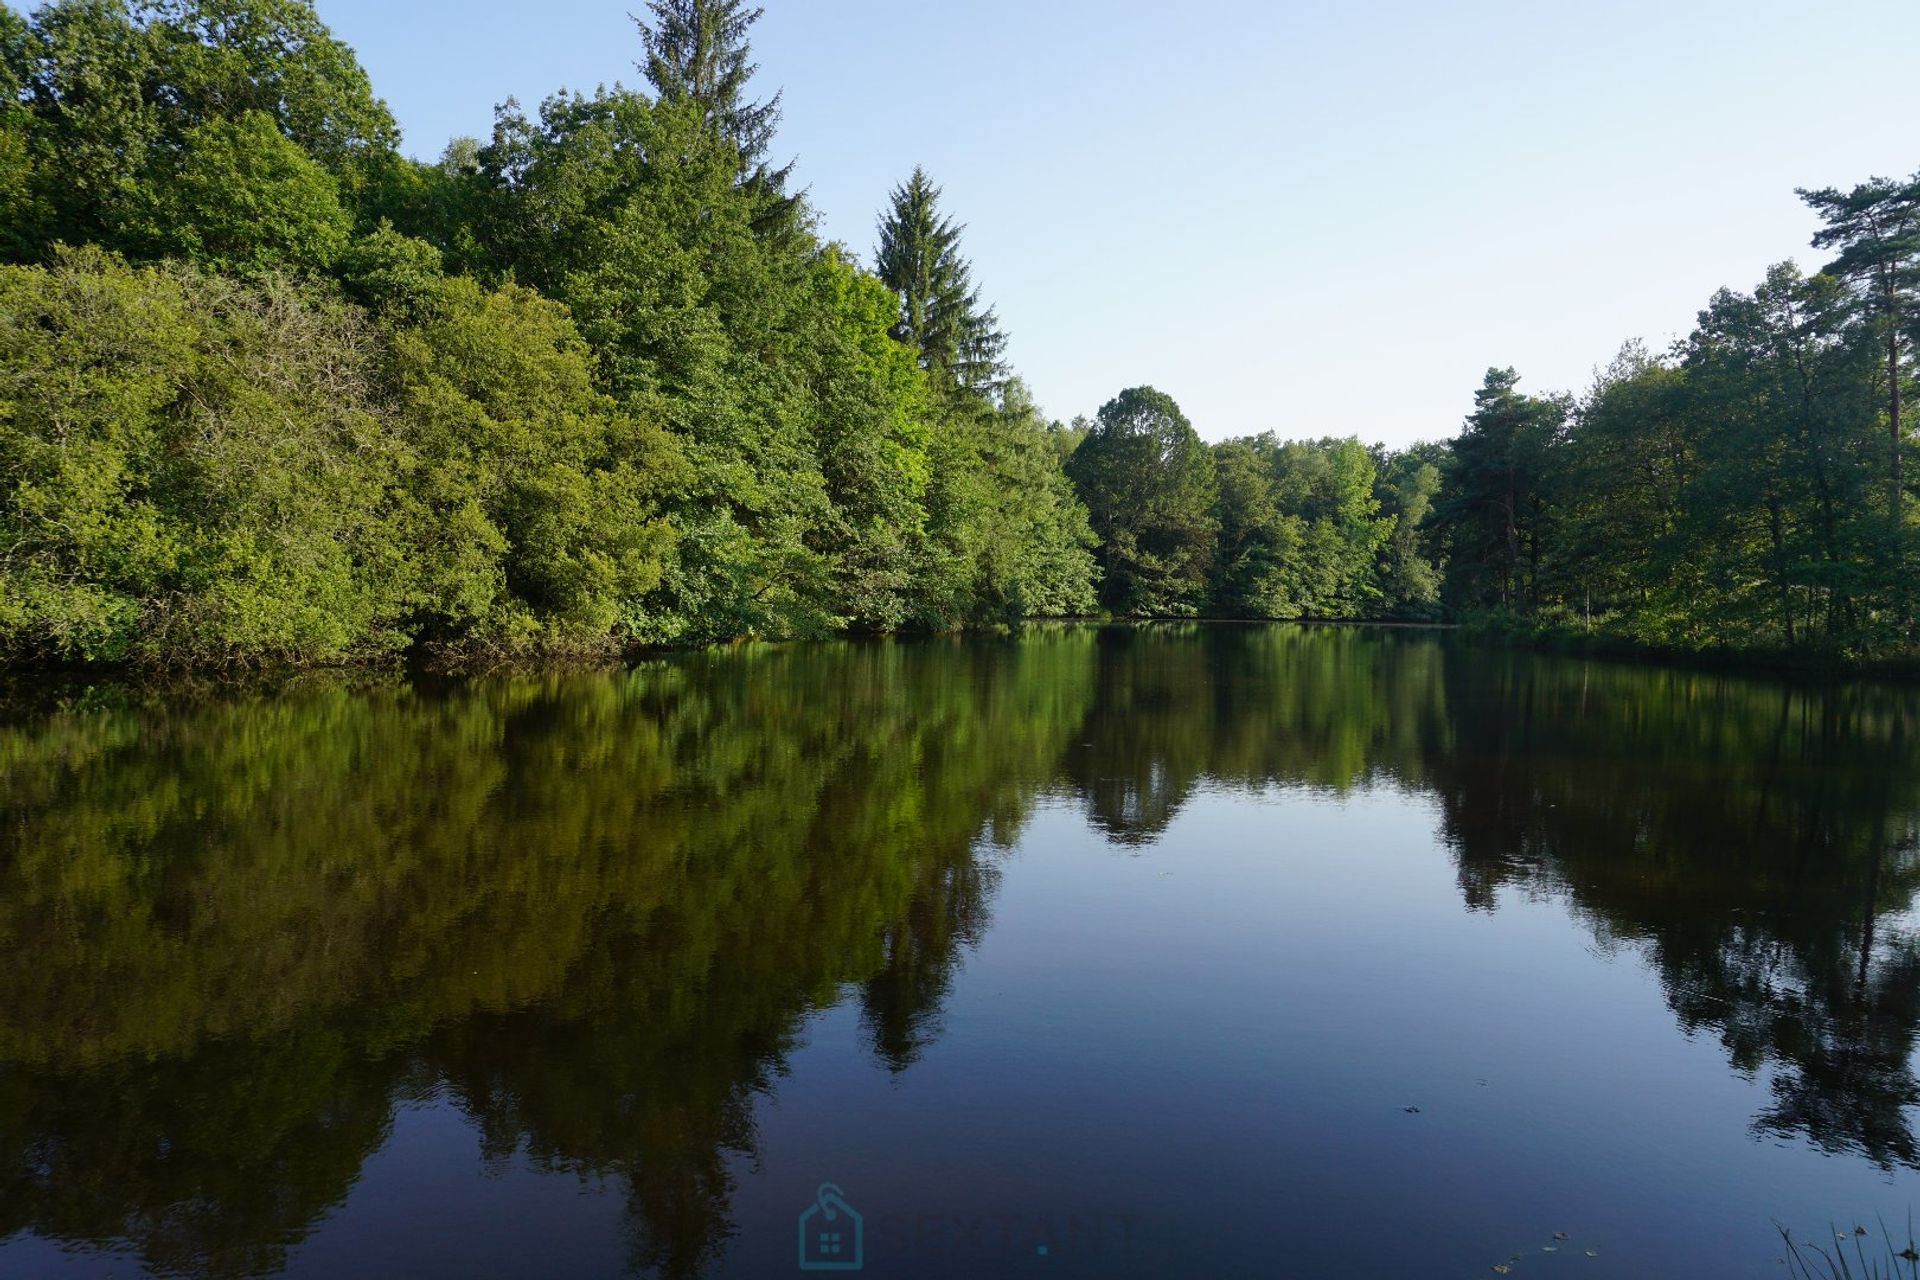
[1148, 484]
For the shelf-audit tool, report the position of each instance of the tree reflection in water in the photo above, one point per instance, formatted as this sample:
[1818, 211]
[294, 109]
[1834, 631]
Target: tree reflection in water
[595, 909]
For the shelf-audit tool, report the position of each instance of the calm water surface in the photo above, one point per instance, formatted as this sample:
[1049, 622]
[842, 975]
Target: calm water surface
[1099, 952]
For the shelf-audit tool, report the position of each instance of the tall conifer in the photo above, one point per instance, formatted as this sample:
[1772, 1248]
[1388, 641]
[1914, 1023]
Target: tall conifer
[919, 258]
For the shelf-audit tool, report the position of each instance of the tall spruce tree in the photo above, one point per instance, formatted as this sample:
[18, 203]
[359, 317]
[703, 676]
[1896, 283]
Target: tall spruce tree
[697, 51]
[919, 258]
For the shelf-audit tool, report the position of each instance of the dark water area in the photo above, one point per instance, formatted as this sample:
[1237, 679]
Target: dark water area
[1182, 950]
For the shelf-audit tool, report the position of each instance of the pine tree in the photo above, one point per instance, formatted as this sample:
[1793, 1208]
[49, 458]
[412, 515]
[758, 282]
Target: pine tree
[1877, 229]
[1494, 497]
[940, 313]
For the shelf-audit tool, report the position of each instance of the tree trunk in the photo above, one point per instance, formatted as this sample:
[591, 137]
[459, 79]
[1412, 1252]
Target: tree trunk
[1509, 513]
[1896, 491]
[1786, 588]
[1533, 569]
[1893, 421]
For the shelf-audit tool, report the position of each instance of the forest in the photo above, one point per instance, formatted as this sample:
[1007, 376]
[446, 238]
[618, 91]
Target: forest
[273, 392]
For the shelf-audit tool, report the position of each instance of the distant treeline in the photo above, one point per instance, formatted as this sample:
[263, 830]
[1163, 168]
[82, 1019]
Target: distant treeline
[1744, 490]
[271, 391]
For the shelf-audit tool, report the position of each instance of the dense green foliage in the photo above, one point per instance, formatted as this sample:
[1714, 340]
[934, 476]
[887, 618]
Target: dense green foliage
[270, 391]
[1737, 491]
[192, 467]
[1743, 491]
[1149, 488]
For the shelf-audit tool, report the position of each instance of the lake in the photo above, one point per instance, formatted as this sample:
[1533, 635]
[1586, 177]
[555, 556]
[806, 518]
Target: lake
[1175, 950]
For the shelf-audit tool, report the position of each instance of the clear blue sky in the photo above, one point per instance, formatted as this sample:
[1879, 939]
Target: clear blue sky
[1323, 218]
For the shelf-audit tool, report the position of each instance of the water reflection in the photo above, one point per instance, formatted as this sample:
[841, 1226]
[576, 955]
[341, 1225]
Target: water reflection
[238, 931]
[1753, 837]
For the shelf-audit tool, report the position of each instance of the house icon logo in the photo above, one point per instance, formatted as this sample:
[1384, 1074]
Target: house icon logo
[830, 1233]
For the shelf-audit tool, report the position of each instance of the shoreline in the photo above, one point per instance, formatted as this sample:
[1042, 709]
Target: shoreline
[1491, 634]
